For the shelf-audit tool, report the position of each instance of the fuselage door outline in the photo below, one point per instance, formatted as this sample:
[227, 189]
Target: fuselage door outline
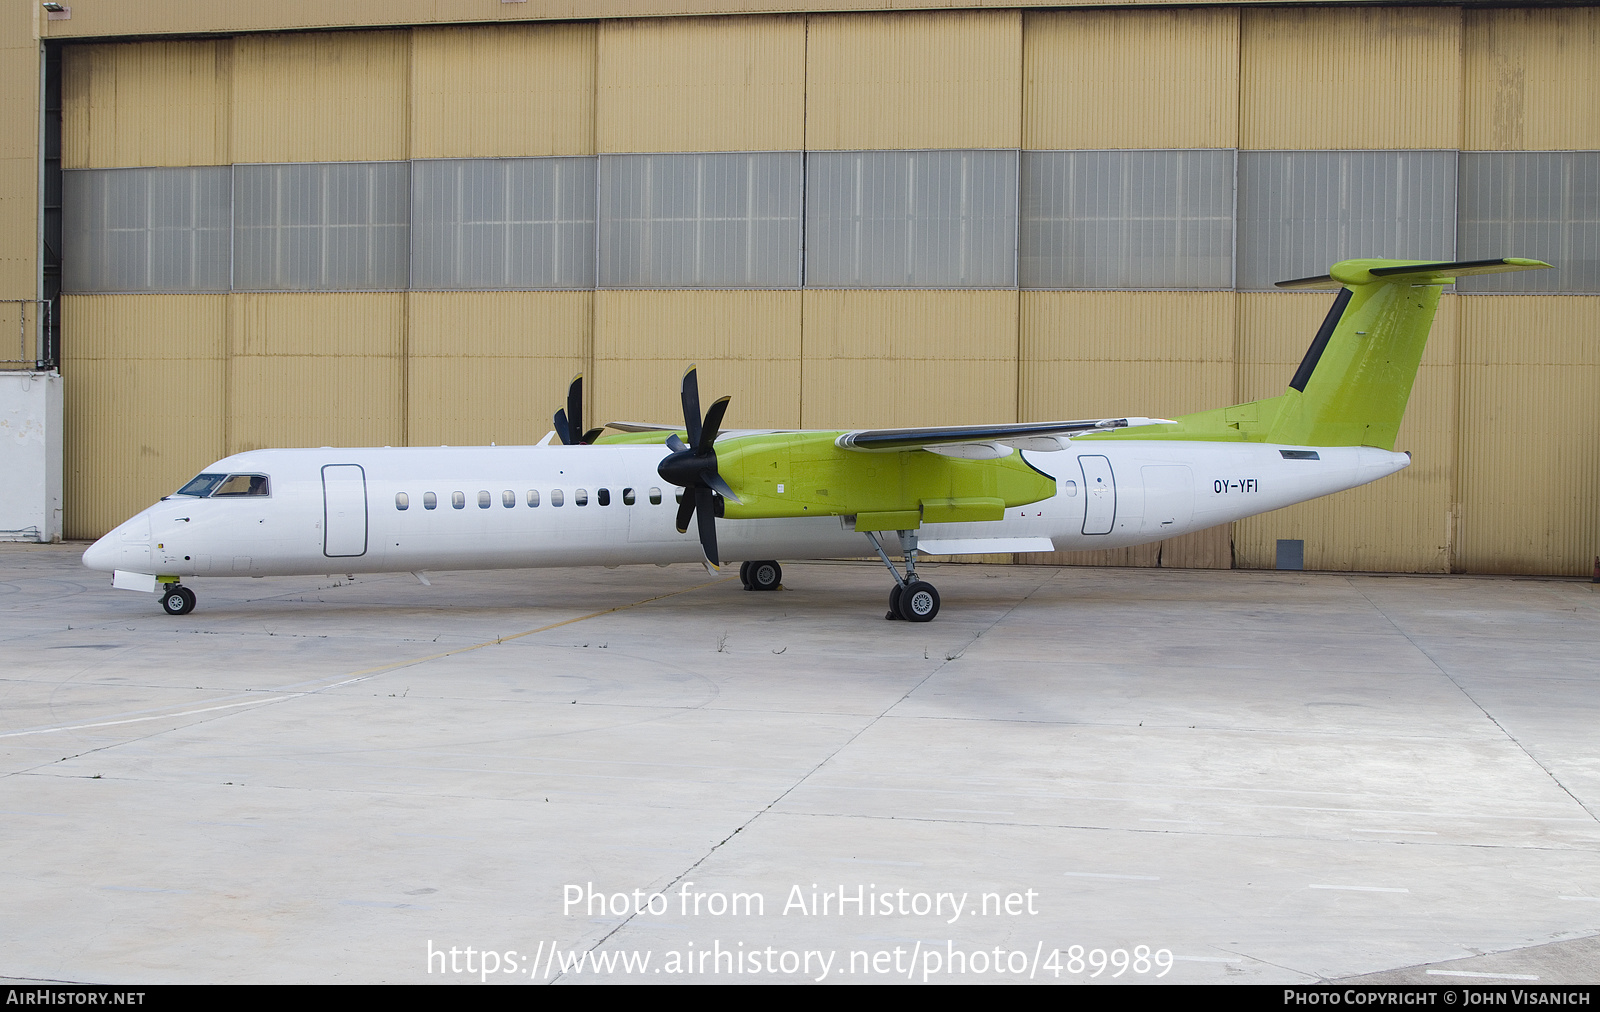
[1100, 494]
[344, 511]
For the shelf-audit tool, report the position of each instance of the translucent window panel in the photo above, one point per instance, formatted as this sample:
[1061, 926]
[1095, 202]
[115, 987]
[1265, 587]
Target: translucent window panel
[502, 223]
[146, 230]
[1302, 211]
[329, 226]
[1127, 219]
[724, 220]
[1540, 204]
[911, 219]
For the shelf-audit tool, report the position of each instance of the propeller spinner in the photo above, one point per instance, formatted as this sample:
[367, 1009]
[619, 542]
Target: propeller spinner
[693, 467]
[569, 421]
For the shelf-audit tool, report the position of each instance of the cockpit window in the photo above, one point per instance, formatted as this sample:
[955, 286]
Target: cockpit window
[202, 485]
[242, 484]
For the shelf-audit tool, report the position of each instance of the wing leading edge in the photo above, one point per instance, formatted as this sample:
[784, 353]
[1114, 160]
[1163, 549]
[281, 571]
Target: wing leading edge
[1022, 436]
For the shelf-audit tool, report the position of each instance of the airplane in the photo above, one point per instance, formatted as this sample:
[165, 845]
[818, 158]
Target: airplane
[758, 496]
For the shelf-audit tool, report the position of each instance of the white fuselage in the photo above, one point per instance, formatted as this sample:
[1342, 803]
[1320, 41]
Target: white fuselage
[337, 510]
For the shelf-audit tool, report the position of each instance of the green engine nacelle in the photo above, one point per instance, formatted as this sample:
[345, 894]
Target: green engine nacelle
[799, 474]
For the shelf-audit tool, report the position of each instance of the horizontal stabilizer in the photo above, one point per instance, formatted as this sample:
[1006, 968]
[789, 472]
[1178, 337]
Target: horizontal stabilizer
[1421, 272]
[890, 440]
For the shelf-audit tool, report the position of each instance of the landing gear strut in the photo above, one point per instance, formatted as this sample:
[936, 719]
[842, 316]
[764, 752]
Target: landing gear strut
[177, 599]
[910, 599]
[762, 575]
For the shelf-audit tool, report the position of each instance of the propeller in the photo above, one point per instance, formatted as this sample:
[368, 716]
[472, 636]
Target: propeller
[569, 421]
[693, 466]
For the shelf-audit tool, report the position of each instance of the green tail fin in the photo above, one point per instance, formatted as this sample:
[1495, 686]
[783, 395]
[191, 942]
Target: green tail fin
[1351, 389]
[1352, 386]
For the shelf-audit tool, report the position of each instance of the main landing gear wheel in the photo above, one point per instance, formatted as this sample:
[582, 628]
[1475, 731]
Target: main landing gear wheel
[177, 600]
[763, 575]
[910, 599]
[918, 602]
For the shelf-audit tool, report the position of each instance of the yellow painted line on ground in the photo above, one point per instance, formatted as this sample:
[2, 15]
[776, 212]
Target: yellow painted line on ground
[356, 676]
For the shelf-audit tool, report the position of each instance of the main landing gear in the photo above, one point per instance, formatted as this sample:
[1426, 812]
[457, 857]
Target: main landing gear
[176, 599]
[910, 599]
[763, 575]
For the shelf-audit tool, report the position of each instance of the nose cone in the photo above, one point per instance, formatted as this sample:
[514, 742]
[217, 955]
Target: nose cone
[127, 547]
[102, 555]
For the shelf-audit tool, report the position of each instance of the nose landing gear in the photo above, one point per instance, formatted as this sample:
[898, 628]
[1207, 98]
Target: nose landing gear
[176, 599]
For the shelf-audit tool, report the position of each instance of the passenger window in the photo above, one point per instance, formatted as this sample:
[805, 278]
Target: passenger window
[483, 499]
[241, 485]
[655, 497]
[430, 501]
[603, 496]
[402, 501]
[627, 497]
[580, 497]
[458, 500]
[555, 497]
[533, 497]
[508, 499]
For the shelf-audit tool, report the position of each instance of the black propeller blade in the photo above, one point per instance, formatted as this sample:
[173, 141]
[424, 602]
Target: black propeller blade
[693, 467]
[569, 422]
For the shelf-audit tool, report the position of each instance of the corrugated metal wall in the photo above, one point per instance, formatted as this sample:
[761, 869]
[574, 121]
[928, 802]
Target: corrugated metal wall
[249, 369]
[1363, 78]
[321, 98]
[518, 90]
[19, 159]
[746, 344]
[1530, 434]
[914, 80]
[1156, 79]
[146, 103]
[147, 389]
[701, 84]
[909, 358]
[1531, 80]
[1528, 494]
[316, 369]
[481, 367]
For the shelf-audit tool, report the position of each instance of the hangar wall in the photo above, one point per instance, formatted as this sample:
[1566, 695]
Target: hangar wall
[161, 384]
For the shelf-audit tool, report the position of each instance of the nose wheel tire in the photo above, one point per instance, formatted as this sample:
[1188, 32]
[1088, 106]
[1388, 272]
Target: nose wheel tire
[917, 602]
[176, 600]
